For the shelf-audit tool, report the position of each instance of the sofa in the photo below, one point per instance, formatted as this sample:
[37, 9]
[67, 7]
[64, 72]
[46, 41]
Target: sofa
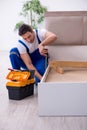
[65, 94]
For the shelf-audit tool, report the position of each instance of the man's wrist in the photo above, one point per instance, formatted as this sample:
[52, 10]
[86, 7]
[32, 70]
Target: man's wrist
[42, 44]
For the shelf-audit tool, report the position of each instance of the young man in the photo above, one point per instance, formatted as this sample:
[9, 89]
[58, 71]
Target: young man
[30, 52]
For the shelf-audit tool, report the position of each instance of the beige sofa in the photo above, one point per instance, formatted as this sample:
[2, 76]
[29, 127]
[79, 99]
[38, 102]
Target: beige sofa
[70, 27]
[65, 94]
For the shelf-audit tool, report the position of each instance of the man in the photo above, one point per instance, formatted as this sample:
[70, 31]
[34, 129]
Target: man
[31, 50]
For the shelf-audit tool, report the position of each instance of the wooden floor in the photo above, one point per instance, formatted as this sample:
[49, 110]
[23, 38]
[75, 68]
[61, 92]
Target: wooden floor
[23, 114]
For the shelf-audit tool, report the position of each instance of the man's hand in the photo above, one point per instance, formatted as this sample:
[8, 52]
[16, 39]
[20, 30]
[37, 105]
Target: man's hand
[43, 51]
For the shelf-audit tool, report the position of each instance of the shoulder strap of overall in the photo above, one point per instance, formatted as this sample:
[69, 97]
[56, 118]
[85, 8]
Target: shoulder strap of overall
[24, 45]
[39, 41]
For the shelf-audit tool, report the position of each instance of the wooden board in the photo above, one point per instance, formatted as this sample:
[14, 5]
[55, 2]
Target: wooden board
[58, 66]
[69, 75]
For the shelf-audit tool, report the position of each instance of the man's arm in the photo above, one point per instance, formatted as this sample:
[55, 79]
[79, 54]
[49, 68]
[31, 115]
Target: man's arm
[27, 60]
[49, 38]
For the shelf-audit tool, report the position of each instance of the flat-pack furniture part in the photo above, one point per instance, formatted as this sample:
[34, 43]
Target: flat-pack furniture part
[65, 93]
[61, 66]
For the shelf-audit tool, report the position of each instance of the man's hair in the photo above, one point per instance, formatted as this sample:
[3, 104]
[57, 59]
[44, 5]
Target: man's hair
[25, 28]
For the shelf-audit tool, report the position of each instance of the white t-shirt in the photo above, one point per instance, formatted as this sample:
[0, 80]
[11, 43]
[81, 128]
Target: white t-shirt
[32, 47]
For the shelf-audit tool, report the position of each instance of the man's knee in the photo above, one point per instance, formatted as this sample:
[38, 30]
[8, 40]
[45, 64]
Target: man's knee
[14, 58]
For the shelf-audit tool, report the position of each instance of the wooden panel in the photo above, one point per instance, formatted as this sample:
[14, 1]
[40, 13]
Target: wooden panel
[69, 75]
[75, 64]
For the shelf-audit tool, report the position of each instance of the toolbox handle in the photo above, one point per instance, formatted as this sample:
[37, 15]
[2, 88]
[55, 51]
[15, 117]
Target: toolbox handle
[13, 69]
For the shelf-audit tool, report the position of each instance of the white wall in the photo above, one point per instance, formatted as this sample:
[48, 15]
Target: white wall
[9, 15]
[60, 5]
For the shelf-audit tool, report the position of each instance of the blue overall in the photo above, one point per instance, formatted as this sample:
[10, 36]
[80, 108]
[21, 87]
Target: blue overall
[38, 60]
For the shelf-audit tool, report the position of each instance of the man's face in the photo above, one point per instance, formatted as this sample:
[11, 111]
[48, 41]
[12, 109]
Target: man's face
[29, 37]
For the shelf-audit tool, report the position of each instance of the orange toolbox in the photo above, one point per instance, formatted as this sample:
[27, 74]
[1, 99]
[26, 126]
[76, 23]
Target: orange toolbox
[20, 84]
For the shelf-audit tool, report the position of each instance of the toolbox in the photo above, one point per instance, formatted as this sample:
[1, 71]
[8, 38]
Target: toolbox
[21, 84]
